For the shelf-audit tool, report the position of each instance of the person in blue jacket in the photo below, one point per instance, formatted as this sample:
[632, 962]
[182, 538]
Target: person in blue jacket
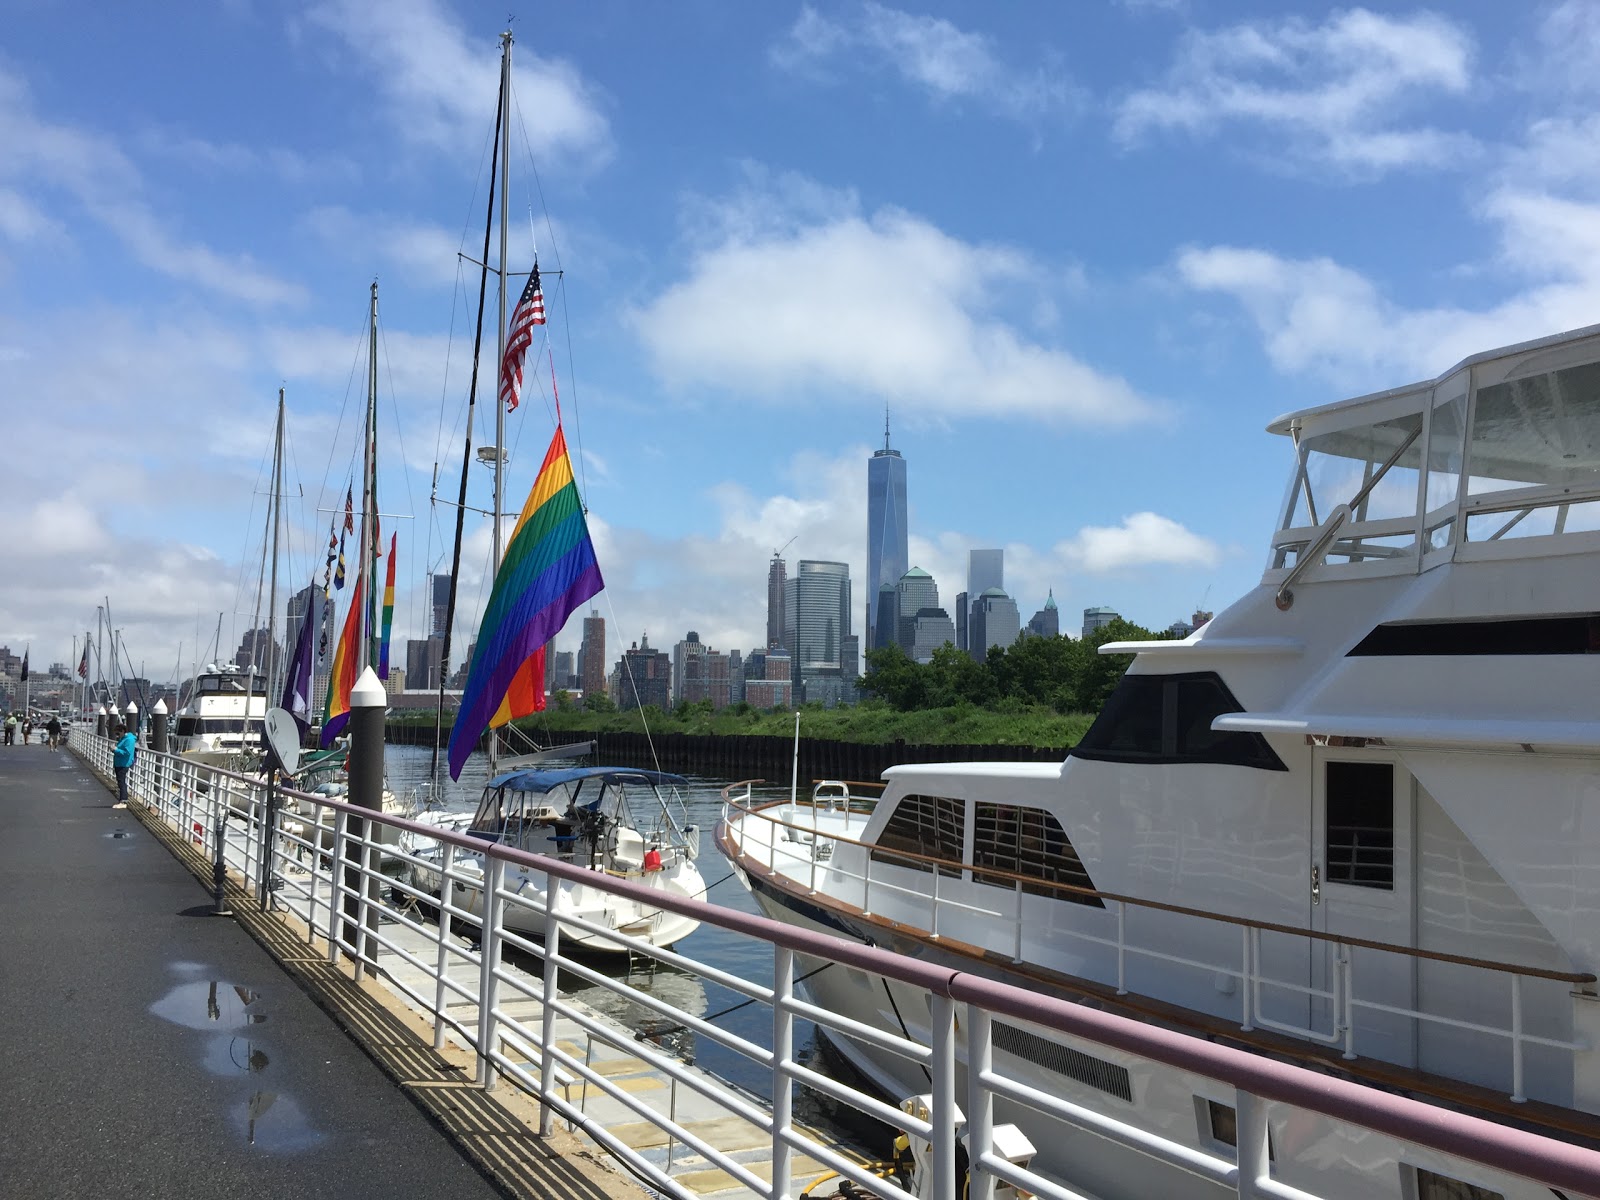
[121, 759]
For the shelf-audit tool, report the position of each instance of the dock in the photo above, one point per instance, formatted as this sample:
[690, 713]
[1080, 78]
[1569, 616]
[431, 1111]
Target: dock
[179, 1053]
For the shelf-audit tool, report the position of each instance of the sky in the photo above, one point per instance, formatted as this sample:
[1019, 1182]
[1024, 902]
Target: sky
[1080, 254]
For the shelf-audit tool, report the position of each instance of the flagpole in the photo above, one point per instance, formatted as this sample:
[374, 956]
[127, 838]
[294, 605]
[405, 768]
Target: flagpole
[500, 408]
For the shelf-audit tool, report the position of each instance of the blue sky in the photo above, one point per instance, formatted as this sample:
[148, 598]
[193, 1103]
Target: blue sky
[1082, 252]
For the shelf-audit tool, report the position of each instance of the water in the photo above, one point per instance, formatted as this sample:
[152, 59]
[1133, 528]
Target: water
[408, 774]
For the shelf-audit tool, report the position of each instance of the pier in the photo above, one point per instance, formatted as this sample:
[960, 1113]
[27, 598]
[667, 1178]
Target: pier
[494, 1076]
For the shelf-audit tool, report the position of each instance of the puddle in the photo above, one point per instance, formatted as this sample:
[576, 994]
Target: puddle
[236, 1056]
[274, 1122]
[211, 1006]
[117, 833]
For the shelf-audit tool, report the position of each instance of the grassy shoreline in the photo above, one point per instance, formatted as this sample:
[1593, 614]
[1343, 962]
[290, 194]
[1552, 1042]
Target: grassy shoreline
[872, 724]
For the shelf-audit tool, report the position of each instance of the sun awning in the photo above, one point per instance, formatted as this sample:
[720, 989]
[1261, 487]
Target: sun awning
[1428, 730]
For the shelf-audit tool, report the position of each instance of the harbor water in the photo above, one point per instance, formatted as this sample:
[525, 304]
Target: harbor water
[408, 769]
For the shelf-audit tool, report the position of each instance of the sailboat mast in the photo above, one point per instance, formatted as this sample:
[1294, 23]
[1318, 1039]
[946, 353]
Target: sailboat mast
[500, 356]
[273, 665]
[366, 630]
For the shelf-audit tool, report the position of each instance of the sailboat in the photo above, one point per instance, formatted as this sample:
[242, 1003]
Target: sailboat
[619, 821]
[222, 720]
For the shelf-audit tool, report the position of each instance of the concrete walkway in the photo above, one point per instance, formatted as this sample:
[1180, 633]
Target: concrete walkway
[151, 1049]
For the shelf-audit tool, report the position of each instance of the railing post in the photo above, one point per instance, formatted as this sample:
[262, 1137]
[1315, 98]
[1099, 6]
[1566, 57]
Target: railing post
[1122, 947]
[866, 886]
[782, 1059]
[447, 887]
[1249, 955]
[933, 920]
[1518, 1096]
[547, 1012]
[1348, 992]
[1253, 1142]
[336, 889]
[1016, 933]
[494, 875]
[980, 1102]
[942, 1069]
[219, 865]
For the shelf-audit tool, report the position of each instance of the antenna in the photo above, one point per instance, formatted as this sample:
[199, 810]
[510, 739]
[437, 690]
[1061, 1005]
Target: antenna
[886, 428]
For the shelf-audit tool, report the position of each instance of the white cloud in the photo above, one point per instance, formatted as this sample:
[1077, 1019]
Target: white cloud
[441, 86]
[930, 52]
[886, 306]
[44, 159]
[1144, 539]
[23, 221]
[1568, 43]
[1335, 91]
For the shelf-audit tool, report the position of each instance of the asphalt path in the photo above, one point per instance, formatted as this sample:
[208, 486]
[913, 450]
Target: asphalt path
[149, 1049]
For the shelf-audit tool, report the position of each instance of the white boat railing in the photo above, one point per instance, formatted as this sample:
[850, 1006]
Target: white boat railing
[799, 849]
[326, 863]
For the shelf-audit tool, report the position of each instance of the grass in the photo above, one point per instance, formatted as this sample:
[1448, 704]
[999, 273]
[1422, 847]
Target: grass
[869, 723]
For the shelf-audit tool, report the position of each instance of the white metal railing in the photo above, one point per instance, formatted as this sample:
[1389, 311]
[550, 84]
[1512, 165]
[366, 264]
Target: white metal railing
[792, 848]
[324, 861]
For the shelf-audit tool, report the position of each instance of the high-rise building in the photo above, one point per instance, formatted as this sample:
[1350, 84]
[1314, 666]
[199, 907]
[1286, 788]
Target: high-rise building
[914, 591]
[424, 658]
[777, 578]
[689, 670]
[735, 677]
[994, 623]
[773, 687]
[816, 622]
[257, 650]
[719, 677]
[1098, 618]
[558, 669]
[963, 614]
[985, 569]
[887, 621]
[1047, 621]
[931, 628]
[644, 676]
[887, 557]
[440, 588]
[592, 655]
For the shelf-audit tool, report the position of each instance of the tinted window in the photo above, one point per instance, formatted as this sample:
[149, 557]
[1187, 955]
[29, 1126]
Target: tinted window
[1360, 818]
[1167, 719]
[932, 826]
[1029, 842]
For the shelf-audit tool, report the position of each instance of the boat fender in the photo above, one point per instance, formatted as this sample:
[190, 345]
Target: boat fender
[652, 859]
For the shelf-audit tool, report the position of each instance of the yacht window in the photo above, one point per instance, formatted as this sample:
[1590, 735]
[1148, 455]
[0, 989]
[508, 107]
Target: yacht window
[1537, 432]
[1028, 842]
[187, 726]
[932, 826]
[1433, 1186]
[1220, 1123]
[1338, 464]
[1167, 719]
[1359, 811]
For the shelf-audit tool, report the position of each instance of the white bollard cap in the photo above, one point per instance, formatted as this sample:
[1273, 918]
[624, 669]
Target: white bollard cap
[132, 707]
[368, 691]
[160, 709]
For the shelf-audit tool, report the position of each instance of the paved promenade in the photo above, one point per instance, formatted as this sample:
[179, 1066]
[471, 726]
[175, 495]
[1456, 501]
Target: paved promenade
[149, 1049]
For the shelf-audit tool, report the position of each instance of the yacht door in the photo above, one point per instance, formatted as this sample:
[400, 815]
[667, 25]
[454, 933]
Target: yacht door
[1362, 886]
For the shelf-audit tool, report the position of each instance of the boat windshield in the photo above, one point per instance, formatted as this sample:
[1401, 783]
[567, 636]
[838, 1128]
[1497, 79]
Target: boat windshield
[1506, 448]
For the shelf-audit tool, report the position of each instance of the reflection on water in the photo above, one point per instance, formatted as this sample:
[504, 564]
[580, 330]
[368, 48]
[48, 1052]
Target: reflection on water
[408, 771]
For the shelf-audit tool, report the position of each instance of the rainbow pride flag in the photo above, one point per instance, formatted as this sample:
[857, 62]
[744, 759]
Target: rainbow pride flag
[548, 571]
[346, 666]
[388, 612]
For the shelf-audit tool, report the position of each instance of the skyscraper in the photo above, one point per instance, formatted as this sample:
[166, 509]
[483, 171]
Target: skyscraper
[915, 591]
[816, 624]
[1047, 621]
[689, 669]
[644, 677]
[593, 653]
[441, 604]
[887, 557]
[776, 578]
[995, 622]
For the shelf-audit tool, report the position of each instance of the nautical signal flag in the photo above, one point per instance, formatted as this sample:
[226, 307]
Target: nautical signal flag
[529, 312]
[350, 509]
[548, 571]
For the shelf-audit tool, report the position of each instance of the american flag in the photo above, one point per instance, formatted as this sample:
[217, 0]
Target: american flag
[83, 663]
[529, 312]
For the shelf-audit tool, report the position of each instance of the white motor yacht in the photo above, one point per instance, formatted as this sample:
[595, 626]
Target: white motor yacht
[1353, 822]
[222, 722]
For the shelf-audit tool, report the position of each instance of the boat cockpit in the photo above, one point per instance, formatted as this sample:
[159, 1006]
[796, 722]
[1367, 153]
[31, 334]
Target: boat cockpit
[1497, 458]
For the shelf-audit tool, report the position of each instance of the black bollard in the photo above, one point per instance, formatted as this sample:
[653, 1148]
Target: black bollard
[367, 709]
[100, 722]
[158, 727]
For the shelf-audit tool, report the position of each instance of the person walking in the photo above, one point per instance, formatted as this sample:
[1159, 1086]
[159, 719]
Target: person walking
[53, 729]
[121, 760]
[11, 728]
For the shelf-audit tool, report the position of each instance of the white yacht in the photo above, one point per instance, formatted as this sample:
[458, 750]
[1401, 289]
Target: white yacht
[625, 823]
[1353, 822]
[223, 719]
